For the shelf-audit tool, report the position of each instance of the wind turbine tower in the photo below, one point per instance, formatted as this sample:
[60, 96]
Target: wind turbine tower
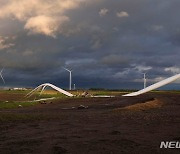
[70, 77]
[145, 80]
[2, 76]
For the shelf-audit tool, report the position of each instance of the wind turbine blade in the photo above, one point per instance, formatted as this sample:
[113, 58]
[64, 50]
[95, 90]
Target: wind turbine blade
[42, 90]
[2, 78]
[2, 70]
[52, 86]
[155, 86]
[31, 92]
[66, 69]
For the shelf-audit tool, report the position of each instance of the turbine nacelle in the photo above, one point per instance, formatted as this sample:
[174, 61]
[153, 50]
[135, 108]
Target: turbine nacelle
[67, 69]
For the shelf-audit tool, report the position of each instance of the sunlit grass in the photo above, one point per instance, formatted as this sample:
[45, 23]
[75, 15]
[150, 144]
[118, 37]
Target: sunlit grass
[12, 105]
[99, 92]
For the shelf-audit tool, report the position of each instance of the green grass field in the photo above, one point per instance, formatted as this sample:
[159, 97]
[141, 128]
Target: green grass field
[17, 99]
[13, 104]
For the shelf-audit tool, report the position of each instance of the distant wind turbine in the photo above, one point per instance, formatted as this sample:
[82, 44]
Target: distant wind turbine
[2, 75]
[70, 77]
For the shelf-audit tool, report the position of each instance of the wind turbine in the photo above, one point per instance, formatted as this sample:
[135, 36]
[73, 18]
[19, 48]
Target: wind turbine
[2, 75]
[145, 80]
[70, 77]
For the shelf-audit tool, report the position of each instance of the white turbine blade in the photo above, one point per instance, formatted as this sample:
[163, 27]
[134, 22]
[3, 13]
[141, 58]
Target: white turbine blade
[2, 69]
[2, 78]
[52, 86]
[60, 90]
[31, 92]
[155, 86]
[67, 69]
[42, 90]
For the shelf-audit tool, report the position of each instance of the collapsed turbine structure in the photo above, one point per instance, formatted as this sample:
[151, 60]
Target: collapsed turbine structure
[43, 86]
[155, 86]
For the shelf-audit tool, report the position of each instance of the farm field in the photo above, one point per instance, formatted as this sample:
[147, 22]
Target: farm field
[88, 125]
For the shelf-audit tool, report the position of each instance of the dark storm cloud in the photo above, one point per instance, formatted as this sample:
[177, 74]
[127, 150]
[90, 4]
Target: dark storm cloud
[106, 43]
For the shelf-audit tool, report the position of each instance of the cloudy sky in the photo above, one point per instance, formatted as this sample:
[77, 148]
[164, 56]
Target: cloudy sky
[107, 43]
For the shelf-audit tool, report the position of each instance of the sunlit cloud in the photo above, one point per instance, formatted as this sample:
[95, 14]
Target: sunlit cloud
[103, 12]
[40, 16]
[45, 25]
[172, 69]
[122, 14]
[4, 44]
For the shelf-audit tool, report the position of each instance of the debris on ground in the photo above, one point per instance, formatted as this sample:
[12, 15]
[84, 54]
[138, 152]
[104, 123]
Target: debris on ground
[20, 106]
[85, 94]
[82, 107]
[43, 102]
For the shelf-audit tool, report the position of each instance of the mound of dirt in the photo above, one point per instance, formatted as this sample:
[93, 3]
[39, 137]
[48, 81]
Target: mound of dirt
[143, 106]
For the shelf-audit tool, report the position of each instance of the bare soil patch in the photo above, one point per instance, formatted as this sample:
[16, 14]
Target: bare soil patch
[155, 103]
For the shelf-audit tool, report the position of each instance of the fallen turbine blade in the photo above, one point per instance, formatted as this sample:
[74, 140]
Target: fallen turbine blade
[155, 86]
[43, 88]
